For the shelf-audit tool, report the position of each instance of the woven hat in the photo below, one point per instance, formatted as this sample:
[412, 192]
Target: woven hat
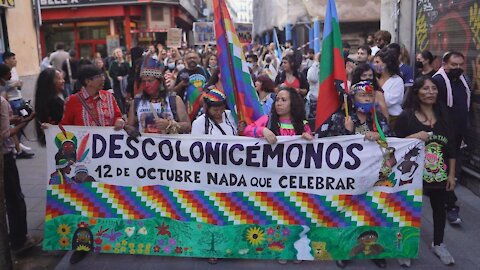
[363, 86]
[151, 68]
[214, 96]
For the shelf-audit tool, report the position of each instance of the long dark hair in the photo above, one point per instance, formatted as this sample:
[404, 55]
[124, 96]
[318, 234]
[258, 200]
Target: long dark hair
[162, 91]
[359, 70]
[293, 64]
[208, 117]
[390, 60]
[44, 92]
[412, 102]
[297, 112]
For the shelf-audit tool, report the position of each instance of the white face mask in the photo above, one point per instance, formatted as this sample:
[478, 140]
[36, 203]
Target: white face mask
[180, 67]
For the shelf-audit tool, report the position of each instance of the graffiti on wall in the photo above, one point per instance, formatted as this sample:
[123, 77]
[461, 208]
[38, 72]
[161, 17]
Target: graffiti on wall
[445, 25]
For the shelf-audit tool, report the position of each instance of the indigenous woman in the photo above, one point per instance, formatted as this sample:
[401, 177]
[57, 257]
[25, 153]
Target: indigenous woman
[155, 110]
[361, 121]
[425, 119]
[287, 118]
[364, 72]
[216, 120]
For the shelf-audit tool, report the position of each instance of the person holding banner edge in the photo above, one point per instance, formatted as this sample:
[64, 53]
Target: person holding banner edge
[287, 118]
[365, 121]
[91, 106]
[216, 120]
[425, 119]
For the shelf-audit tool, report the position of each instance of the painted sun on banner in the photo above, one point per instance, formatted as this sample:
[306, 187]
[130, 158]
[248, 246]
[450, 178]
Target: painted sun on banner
[234, 197]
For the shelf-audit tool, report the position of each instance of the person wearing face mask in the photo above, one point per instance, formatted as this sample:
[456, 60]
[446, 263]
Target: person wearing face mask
[387, 70]
[423, 64]
[364, 72]
[361, 120]
[252, 63]
[170, 74]
[179, 65]
[189, 84]
[212, 64]
[454, 92]
[156, 110]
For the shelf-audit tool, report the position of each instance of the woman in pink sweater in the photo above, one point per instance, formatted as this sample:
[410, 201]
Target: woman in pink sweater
[287, 118]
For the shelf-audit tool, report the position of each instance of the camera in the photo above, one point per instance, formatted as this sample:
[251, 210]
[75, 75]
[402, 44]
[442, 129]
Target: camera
[185, 77]
[25, 109]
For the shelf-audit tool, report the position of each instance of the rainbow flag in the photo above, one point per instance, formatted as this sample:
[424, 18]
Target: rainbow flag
[237, 82]
[332, 67]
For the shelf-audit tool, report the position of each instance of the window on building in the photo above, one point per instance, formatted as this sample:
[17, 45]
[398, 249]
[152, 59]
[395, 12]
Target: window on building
[157, 14]
[92, 30]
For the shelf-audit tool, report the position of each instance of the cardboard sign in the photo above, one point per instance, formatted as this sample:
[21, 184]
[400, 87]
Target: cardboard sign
[113, 42]
[244, 32]
[203, 33]
[174, 37]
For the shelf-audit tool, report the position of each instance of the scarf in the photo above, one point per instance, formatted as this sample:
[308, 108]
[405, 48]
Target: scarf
[442, 73]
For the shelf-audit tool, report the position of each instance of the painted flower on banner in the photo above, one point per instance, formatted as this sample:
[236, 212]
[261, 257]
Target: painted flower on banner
[142, 231]
[92, 221]
[130, 231]
[63, 229]
[270, 231]
[107, 248]
[255, 236]
[64, 242]
[178, 250]
[276, 246]
[156, 249]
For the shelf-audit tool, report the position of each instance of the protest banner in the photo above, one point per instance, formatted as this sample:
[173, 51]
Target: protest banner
[232, 197]
[244, 32]
[203, 33]
[174, 38]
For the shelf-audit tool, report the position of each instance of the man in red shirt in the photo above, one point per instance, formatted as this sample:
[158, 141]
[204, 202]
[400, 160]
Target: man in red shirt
[92, 106]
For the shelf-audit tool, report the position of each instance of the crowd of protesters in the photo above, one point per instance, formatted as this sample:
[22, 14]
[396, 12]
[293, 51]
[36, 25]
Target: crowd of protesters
[169, 91]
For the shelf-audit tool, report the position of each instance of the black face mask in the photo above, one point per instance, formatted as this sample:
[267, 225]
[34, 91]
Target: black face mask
[418, 64]
[455, 73]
